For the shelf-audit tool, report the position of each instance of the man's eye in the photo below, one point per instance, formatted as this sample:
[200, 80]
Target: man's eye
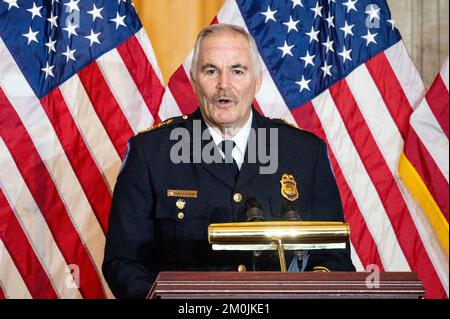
[238, 72]
[210, 72]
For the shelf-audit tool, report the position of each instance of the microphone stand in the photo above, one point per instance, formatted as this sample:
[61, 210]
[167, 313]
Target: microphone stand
[290, 213]
[254, 214]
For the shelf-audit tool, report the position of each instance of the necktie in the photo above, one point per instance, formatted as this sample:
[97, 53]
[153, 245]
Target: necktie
[227, 147]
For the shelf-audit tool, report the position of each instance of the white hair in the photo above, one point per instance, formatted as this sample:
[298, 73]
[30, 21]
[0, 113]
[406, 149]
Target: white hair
[214, 28]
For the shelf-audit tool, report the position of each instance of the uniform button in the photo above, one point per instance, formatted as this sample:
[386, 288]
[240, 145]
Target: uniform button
[237, 197]
[242, 268]
[180, 215]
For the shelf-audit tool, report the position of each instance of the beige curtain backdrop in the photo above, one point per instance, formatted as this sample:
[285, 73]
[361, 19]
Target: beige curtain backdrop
[424, 27]
[172, 26]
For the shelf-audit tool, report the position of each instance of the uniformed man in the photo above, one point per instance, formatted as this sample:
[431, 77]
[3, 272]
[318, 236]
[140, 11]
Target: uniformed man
[164, 200]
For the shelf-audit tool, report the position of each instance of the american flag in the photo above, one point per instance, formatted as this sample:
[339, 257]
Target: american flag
[77, 80]
[425, 165]
[339, 69]
[426, 145]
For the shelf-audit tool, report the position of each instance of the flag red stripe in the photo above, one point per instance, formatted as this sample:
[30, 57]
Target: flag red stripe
[142, 73]
[182, 92]
[387, 188]
[437, 98]
[215, 20]
[106, 107]
[258, 107]
[391, 91]
[307, 120]
[22, 253]
[47, 198]
[87, 172]
[157, 121]
[360, 235]
[428, 170]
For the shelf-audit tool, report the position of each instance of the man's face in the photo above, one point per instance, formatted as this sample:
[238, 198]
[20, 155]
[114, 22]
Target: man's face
[225, 79]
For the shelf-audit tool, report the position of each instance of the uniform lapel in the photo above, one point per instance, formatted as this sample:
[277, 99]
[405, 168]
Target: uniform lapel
[251, 168]
[218, 170]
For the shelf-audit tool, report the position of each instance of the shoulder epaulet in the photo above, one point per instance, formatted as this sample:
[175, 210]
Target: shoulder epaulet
[174, 120]
[285, 122]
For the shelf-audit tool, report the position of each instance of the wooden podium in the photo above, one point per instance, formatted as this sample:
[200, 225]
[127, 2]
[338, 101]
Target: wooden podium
[277, 285]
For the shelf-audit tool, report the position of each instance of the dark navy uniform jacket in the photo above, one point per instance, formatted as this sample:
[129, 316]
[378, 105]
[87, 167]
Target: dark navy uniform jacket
[149, 232]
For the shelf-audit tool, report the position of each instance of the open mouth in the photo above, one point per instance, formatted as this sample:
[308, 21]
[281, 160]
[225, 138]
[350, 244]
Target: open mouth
[224, 101]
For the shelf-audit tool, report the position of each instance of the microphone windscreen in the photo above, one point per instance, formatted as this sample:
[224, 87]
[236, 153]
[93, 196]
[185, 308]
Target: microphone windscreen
[254, 211]
[289, 212]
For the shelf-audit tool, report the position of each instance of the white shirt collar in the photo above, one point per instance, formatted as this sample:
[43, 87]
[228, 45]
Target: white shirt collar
[241, 139]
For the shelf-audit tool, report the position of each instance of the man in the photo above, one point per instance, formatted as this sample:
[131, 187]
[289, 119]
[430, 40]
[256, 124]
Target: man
[164, 200]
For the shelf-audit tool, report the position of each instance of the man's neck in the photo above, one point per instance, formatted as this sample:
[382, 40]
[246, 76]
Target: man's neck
[229, 131]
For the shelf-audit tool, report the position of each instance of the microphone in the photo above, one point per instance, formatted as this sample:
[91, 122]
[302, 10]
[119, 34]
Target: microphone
[290, 213]
[254, 211]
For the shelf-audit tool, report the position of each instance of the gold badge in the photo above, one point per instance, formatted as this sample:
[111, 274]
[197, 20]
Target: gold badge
[289, 187]
[181, 204]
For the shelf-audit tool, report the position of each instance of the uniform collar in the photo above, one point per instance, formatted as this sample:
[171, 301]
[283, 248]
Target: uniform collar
[241, 139]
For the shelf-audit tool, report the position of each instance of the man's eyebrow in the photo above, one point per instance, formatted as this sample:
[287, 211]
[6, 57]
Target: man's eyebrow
[208, 65]
[239, 66]
[234, 66]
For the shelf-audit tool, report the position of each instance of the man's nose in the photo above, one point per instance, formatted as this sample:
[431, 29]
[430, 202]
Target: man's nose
[223, 81]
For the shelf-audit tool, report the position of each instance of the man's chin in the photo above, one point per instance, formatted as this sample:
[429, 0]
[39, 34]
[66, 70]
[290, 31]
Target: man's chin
[224, 124]
[225, 117]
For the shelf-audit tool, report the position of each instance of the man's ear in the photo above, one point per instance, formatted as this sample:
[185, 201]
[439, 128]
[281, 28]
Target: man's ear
[193, 83]
[258, 82]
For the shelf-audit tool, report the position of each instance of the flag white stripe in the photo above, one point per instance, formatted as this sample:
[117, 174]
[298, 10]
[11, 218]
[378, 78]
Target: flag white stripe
[437, 255]
[125, 90]
[146, 45]
[11, 281]
[187, 64]
[432, 136]
[355, 259]
[406, 73]
[270, 100]
[169, 107]
[45, 139]
[91, 129]
[360, 184]
[230, 13]
[33, 224]
[377, 116]
[444, 73]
